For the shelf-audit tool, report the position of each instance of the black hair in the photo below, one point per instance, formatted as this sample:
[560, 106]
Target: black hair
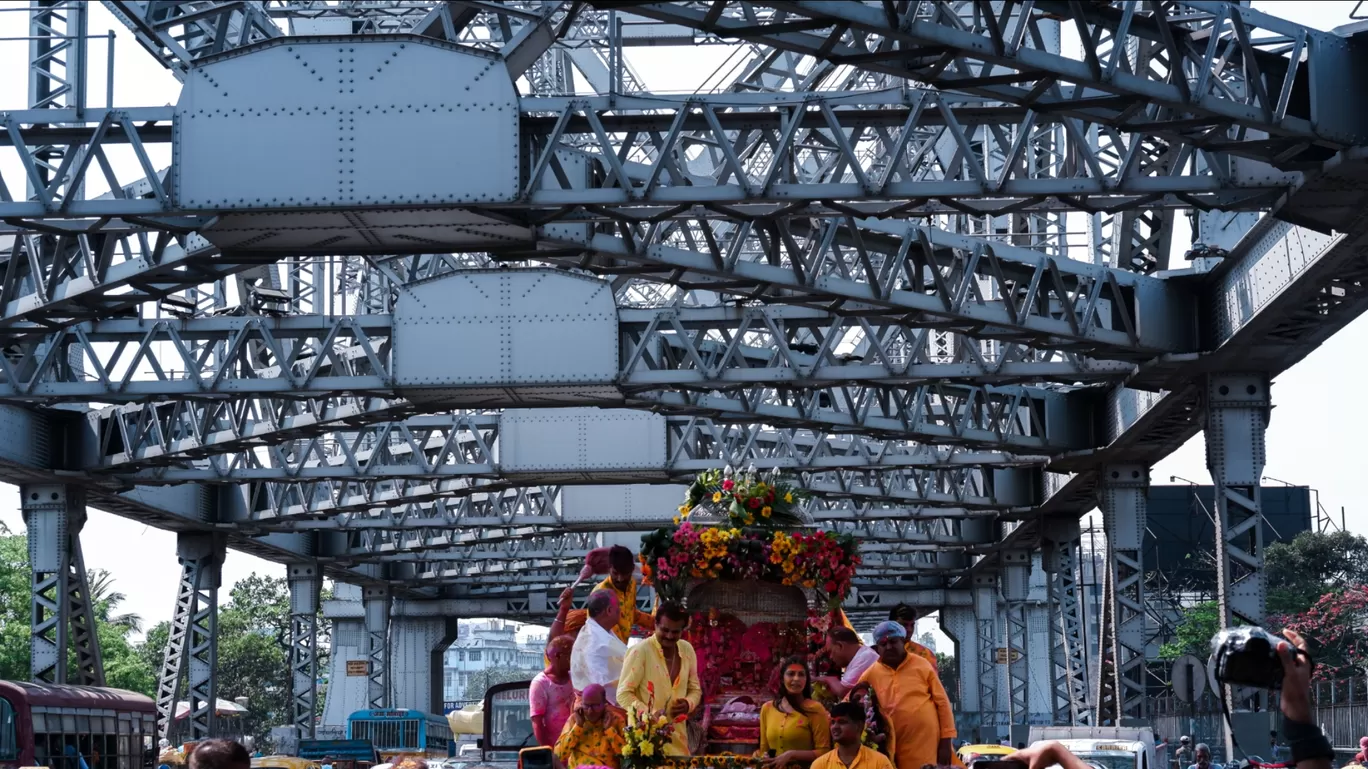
[852, 711]
[781, 692]
[219, 754]
[621, 560]
[903, 612]
[673, 612]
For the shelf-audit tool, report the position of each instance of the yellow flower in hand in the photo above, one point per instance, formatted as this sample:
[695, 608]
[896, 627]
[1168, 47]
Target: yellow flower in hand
[788, 496]
[647, 749]
[766, 510]
[717, 497]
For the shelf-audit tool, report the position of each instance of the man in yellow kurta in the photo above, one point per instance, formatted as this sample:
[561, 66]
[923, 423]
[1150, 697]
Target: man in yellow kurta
[661, 674]
[912, 699]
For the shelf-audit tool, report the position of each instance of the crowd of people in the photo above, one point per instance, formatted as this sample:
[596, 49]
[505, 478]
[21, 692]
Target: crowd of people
[593, 679]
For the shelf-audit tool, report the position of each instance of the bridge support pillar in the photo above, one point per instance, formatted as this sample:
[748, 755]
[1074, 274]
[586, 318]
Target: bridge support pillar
[1016, 575]
[194, 629]
[60, 610]
[986, 621]
[961, 625]
[1121, 669]
[1236, 418]
[1237, 410]
[376, 605]
[306, 584]
[418, 645]
[1068, 656]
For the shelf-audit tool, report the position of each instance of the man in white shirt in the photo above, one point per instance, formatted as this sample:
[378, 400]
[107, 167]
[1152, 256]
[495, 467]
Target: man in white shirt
[598, 654]
[845, 649]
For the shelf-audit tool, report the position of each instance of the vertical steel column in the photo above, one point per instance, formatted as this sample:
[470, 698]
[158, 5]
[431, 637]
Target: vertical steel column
[57, 70]
[53, 516]
[1016, 575]
[376, 603]
[306, 583]
[84, 638]
[1124, 504]
[962, 626]
[1106, 686]
[1237, 410]
[1236, 418]
[1068, 655]
[985, 614]
[202, 638]
[173, 660]
[194, 625]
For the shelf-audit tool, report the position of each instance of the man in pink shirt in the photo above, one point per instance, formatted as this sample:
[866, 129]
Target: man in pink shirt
[552, 698]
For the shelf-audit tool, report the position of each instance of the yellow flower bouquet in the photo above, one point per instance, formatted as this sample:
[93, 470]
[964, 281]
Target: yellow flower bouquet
[648, 733]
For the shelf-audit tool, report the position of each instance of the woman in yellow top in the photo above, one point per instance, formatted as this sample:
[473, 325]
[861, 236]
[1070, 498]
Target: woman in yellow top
[594, 735]
[794, 728]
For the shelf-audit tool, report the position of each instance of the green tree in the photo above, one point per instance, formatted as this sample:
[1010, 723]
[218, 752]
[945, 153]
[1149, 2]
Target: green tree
[124, 667]
[947, 667]
[1193, 634]
[253, 651]
[1314, 563]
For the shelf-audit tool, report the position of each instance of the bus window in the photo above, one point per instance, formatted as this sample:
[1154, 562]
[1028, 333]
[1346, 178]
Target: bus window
[9, 742]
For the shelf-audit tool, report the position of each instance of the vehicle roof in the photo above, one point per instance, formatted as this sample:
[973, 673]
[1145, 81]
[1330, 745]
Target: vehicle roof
[379, 713]
[1086, 743]
[72, 696]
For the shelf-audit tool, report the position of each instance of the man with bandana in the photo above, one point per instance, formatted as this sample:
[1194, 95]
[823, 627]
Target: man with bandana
[621, 580]
[912, 699]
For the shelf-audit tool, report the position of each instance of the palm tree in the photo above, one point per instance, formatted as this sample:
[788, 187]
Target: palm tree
[105, 599]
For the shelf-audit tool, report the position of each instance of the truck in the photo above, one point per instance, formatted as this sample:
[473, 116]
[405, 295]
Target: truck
[1105, 747]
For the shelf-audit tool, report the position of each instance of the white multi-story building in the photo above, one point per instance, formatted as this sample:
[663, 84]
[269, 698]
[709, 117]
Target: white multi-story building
[502, 648]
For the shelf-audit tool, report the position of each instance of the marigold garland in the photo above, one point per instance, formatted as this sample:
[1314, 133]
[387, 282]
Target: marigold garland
[816, 560]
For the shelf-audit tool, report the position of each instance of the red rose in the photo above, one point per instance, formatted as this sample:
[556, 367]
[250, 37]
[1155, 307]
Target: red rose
[753, 503]
[728, 484]
[831, 587]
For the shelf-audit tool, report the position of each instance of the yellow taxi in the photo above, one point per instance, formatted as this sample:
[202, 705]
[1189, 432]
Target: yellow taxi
[968, 753]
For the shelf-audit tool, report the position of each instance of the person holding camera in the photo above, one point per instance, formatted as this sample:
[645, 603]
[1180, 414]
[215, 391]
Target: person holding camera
[1309, 748]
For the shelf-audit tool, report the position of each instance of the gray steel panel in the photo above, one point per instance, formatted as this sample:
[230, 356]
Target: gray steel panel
[600, 505]
[1269, 267]
[580, 439]
[314, 122]
[507, 330]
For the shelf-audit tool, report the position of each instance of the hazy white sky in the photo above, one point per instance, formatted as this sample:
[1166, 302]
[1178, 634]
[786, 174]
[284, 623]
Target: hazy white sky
[1310, 440]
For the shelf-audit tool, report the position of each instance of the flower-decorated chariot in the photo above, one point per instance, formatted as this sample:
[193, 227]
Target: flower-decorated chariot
[761, 584]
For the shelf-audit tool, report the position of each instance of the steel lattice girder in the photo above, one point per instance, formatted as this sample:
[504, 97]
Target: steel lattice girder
[425, 457]
[411, 545]
[932, 151]
[530, 510]
[1227, 77]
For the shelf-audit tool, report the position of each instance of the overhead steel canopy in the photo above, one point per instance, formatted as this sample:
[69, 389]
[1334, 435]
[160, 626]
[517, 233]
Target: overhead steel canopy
[910, 252]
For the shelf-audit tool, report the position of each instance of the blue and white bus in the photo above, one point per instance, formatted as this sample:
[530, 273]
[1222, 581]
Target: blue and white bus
[401, 732]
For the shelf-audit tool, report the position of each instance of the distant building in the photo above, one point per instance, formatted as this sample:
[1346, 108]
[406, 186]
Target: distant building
[491, 645]
[927, 640]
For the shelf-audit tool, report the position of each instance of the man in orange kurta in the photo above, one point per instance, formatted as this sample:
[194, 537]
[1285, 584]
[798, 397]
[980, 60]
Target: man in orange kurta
[912, 699]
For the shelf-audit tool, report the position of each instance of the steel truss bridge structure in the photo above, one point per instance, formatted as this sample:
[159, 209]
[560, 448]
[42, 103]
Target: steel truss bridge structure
[431, 298]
